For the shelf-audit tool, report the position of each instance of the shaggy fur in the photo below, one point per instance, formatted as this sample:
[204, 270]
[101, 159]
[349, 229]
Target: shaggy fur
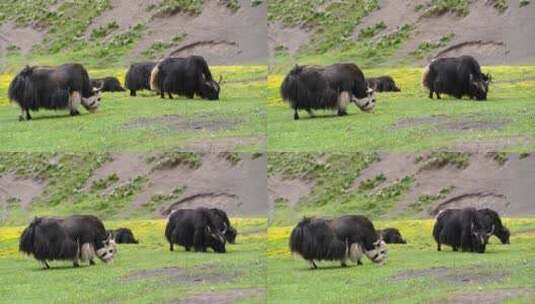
[77, 237]
[457, 77]
[63, 87]
[123, 236]
[391, 236]
[188, 77]
[138, 76]
[382, 84]
[340, 239]
[194, 228]
[460, 229]
[331, 87]
[107, 84]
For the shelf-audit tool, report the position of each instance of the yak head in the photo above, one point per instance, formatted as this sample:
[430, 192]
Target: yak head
[215, 239]
[108, 250]
[210, 89]
[93, 102]
[229, 233]
[378, 253]
[503, 235]
[367, 103]
[480, 238]
[479, 87]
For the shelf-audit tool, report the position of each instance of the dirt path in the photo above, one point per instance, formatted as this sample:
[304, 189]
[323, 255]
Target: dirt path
[19, 189]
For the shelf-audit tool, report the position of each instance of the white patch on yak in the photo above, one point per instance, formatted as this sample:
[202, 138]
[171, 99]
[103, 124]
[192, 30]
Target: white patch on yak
[75, 100]
[343, 100]
[355, 253]
[87, 253]
[367, 103]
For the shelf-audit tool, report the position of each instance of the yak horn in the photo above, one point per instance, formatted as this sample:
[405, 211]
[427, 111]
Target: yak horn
[491, 231]
[225, 229]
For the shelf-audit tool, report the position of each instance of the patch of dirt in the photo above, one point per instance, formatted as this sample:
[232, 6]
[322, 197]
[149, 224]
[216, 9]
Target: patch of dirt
[394, 166]
[242, 30]
[174, 275]
[125, 165]
[291, 190]
[228, 296]
[452, 276]
[498, 144]
[484, 183]
[177, 124]
[224, 144]
[11, 35]
[20, 189]
[291, 38]
[238, 189]
[507, 33]
[126, 13]
[460, 124]
[494, 296]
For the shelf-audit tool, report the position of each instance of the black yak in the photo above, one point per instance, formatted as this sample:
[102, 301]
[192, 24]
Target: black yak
[76, 238]
[195, 228]
[491, 222]
[340, 239]
[107, 84]
[382, 84]
[188, 77]
[456, 77]
[63, 87]
[330, 87]
[391, 236]
[123, 236]
[461, 228]
[138, 76]
[224, 225]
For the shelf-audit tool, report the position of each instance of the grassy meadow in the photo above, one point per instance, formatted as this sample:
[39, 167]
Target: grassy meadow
[146, 122]
[143, 273]
[413, 273]
[410, 121]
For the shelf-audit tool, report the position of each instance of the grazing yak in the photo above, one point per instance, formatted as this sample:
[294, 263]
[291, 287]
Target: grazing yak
[330, 87]
[491, 222]
[196, 228]
[123, 236]
[461, 228]
[456, 77]
[346, 237]
[62, 87]
[382, 84]
[188, 77]
[107, 84]
[391, 236]
[76, 238]
[138, 76]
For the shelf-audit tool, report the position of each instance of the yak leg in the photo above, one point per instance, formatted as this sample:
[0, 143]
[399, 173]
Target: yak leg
[171, 246]
[162, 94]
[24, 114]
[45, 265]
[296, 115]
[188, 248]
[132, 92]
[170, 96]
[359, 262]
[91, 262]
[198, 240]
[313, 264]
[310, 113]
[76, 262]
[343, 100]
[74, 102]
[438, 95]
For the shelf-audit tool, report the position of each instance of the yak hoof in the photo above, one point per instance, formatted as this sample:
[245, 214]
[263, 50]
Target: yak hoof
[342, 113]
[296, 116]
[91, 262]
[75, 113]
[21, 118]
[76, 265]
[343, 264]
[359, 262]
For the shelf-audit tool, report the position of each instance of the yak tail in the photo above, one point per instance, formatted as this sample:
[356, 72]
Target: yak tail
[17, 87]
[426, 79]
[26, 243]
[155, 78]
[169, 228]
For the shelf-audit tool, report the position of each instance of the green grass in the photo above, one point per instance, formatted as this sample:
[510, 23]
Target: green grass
[410, 121]
[125, 123]
[511, 266]
[243, 266]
